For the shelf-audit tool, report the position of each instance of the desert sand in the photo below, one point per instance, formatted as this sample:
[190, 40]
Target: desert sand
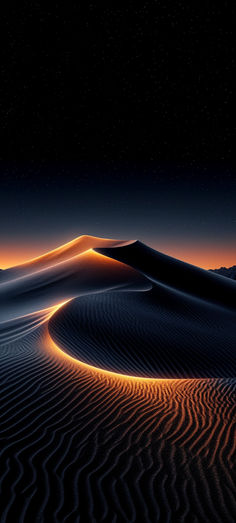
[117, 387]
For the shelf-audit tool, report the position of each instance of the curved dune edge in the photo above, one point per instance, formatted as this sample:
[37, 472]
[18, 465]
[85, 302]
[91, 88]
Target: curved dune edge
[20, 326]
[46, 315]
[133, 334]
[86, 273]
[100, 373]
[49, 342]
[89, 265]
[43, 318]
[82, 442]
[65, 252]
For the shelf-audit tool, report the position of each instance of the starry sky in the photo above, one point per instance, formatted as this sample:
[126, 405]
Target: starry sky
[117, 122]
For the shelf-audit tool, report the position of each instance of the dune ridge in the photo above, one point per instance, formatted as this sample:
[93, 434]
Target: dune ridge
[174, 273]
[140, 334]
[60, 254]
[117, 388]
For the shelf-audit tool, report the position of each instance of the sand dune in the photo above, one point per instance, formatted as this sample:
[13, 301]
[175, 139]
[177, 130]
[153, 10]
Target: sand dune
[174, 273]
[85, 273]
[90, 428]
[63, 253]
[158, 333]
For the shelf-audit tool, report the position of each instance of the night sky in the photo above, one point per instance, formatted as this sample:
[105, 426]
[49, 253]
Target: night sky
[117, 122]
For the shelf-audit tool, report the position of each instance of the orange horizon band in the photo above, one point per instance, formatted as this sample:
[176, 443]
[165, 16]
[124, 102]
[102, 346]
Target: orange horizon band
[207, 257]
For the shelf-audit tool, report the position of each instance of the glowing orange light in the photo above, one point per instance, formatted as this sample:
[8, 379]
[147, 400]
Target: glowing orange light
[49, 343]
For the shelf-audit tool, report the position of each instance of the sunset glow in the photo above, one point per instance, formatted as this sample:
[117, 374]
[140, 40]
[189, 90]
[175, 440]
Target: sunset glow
[202, 255]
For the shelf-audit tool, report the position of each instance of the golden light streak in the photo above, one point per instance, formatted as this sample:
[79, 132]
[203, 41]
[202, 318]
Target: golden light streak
[100, 372]
[15, 256]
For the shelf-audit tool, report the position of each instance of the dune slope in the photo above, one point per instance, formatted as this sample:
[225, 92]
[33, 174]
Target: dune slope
[90, 428]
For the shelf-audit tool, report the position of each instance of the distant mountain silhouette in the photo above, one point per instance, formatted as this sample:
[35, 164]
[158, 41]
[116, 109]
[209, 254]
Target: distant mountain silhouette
[229, 272]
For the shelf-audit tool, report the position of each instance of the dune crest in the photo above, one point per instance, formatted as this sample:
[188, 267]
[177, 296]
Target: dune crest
[60, 254]
[90, 428]
[166, 329]
[86, 273]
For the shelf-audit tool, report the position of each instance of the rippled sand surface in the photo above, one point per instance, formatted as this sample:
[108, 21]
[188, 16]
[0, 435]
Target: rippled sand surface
[117, 388]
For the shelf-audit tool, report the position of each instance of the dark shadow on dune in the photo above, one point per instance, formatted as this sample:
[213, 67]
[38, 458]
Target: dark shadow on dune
[175, 273]
[79, 444]
[183, 327]
[160, 333]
